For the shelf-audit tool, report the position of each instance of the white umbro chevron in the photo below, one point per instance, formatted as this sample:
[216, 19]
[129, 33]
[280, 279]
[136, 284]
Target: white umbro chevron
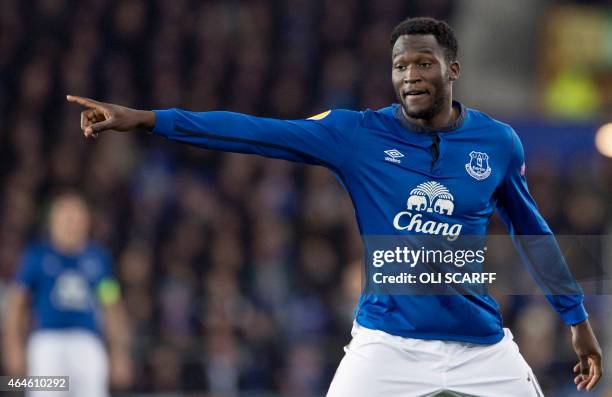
[393, 155]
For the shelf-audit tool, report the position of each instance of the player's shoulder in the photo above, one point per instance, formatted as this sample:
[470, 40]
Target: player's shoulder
[380, 119]
[338, 118]
[369, 118]
[500, 129]
[33, 253]
[36, 248]
[95, 261]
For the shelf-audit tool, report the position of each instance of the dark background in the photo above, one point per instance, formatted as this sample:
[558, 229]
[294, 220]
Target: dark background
[240, 274]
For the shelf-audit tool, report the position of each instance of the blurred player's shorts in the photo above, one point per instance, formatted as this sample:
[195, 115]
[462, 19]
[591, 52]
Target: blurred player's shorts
[75, 353]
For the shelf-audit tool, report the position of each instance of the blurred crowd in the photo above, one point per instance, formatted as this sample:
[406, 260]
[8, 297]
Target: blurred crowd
[240, 274]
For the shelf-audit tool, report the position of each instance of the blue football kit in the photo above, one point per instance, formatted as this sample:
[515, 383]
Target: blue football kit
[405, 180]
[66, 290]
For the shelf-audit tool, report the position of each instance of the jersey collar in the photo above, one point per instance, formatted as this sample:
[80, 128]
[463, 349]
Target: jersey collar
[399, 115]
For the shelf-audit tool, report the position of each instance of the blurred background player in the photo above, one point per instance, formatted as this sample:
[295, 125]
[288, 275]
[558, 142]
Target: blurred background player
[67, 285]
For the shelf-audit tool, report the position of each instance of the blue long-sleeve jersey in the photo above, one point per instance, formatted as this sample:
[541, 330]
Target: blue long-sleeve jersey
[401, 182]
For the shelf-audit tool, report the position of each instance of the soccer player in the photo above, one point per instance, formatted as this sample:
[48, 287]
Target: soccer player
[427, 165]
[64, 282]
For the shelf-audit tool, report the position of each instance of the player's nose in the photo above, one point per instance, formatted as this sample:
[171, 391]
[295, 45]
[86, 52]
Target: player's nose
[411, 75]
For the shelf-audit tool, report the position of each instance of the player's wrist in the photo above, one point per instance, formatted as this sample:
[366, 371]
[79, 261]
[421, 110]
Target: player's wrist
[582, 328]
[583, 325]
[145, 119]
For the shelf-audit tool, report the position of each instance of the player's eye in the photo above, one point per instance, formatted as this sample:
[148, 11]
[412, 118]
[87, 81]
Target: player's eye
[425, 65]
[401, 68]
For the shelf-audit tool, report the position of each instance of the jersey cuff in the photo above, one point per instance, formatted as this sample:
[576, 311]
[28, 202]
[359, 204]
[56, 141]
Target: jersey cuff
[164, 122]
[574, 315]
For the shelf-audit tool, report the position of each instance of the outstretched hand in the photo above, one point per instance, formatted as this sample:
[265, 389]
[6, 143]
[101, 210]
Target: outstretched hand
[589, 368]
[101, 117]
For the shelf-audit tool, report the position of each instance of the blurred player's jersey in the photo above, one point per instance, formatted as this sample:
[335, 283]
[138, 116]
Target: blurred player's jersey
[66, 290]
[403, 180]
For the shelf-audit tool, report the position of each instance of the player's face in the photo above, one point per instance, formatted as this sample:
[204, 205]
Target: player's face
[421, 75]
[69, 222]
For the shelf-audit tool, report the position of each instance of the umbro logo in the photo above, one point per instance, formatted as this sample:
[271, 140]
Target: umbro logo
[393, 155]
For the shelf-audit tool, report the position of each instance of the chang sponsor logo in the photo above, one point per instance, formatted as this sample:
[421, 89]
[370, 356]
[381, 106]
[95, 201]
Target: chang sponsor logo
[428, 197]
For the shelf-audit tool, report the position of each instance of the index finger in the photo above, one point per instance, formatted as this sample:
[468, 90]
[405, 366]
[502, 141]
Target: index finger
[90, 103]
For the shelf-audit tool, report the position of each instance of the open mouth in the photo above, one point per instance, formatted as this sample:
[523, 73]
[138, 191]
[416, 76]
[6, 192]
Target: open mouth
[415, 94]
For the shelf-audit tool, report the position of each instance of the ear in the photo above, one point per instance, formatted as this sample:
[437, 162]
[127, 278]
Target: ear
[454, 70]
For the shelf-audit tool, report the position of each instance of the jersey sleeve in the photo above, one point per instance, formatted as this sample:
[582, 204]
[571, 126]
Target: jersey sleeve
[323, 139]
[535, 241]
[27, 269]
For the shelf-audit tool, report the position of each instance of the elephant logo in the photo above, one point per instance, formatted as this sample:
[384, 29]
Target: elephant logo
[431, 197]
[478, 166]
[444, 206]
[417, 202]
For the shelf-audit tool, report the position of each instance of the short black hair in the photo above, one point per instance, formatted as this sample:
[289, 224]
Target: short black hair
[439, 29]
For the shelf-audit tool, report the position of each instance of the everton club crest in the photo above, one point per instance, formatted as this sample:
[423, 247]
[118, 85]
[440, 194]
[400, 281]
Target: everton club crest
[478, 167]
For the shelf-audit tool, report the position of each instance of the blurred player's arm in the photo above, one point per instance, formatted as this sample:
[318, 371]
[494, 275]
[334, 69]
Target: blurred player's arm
[16, 321]
[117, 333]
[324, 139]
[541, 253]
[15, 330]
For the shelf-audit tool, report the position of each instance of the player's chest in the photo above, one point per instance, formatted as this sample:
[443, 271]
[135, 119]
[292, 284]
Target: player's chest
[56, 267]
[435, 176]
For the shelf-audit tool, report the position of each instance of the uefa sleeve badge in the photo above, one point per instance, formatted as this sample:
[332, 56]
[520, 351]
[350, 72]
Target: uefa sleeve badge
[320, 115]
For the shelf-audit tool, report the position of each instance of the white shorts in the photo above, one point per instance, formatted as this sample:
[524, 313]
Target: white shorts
[75, 353]
[377, 364]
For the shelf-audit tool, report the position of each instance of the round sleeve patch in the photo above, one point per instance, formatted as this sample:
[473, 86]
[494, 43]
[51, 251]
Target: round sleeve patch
[108, 291]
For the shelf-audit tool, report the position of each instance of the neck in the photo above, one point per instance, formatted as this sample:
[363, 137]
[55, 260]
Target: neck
[448, 115]
[68, 247]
